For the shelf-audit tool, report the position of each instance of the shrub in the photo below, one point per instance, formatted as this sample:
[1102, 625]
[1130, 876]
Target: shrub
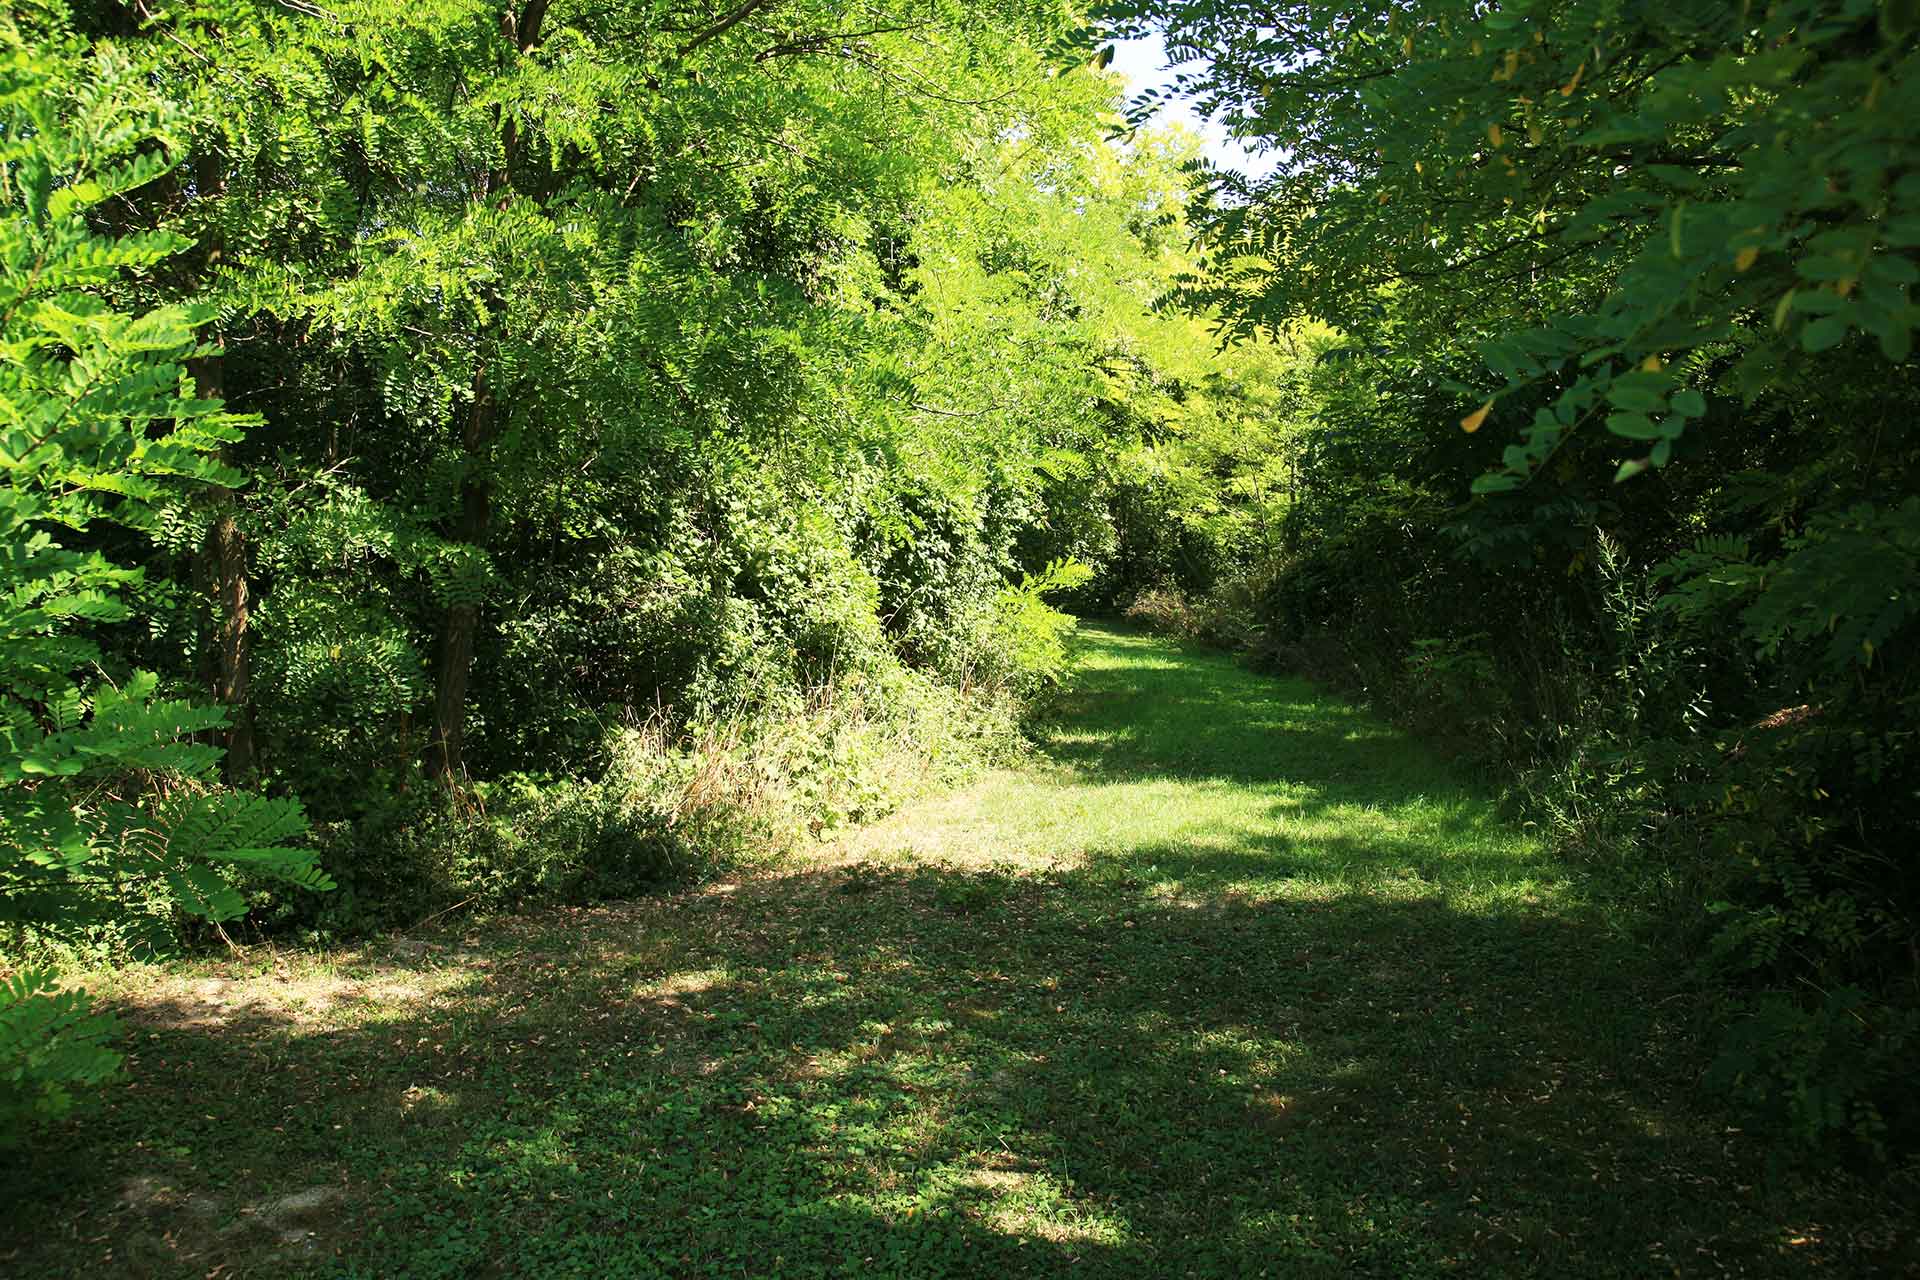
[1166, 611]
[105, 792]
[51, 1043]
[672, 802]
[1839, 1064]
[1025, 645]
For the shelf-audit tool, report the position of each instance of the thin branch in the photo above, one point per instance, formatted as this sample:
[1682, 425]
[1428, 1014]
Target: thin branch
[957, 413]
[726, 24]
[814, 43]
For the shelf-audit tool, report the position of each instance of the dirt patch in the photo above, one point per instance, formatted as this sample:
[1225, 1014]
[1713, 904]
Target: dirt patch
[299, 1000]
[162, 1226]
[299, 1217]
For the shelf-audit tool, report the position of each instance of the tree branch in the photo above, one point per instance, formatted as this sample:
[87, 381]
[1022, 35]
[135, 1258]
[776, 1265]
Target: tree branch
[726, 24]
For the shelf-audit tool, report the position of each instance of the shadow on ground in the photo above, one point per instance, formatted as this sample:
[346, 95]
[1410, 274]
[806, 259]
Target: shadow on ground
[1139, 709]
[942, 1072]
[1157, 1061]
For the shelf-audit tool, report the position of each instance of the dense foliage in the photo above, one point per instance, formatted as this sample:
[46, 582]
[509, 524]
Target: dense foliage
[500, 452]
[1639, 278]
[107, 798]
[512, 450]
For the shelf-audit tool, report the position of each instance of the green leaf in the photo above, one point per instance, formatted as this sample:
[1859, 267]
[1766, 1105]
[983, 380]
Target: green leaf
[1637, 399]
[1823, 333]
[1633, 426]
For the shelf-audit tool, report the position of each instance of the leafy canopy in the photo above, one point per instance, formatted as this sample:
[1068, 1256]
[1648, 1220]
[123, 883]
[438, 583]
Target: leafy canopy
[104, 790]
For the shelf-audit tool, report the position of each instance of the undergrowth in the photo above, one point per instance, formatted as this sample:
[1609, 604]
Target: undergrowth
[1752, 840]
[1227, 977]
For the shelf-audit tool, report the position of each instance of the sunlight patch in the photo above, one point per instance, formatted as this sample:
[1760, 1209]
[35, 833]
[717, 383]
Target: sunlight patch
[316, 997]
[692, 983]
[1016, 1220]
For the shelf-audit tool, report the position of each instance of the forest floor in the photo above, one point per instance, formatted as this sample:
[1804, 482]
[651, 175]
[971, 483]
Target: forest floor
[1230, 981]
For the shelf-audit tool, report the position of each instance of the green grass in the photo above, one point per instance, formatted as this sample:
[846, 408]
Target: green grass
[1233, 982]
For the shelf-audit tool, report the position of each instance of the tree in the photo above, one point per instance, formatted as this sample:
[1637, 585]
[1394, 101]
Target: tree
[1617, 470]
[1603, 199]
[104, 794]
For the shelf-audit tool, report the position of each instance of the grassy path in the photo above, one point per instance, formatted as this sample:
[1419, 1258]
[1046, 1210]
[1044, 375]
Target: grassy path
[1236, 982]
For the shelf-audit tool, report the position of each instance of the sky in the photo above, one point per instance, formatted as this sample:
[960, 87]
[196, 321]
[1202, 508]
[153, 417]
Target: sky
[1144, 64]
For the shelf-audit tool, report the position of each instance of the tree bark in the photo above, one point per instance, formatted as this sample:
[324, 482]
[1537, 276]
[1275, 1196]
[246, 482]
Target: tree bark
[223, 553]
[446, 750]
[446, 758]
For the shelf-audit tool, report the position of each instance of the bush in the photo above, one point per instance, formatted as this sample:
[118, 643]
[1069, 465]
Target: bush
[1838, 1065]
[673, 802]
[51, 1043]
[1024, 651]
[1166, 611]
[1226, 616]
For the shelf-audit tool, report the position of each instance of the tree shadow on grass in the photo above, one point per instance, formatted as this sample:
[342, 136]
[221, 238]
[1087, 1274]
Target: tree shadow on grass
[1133, 714]
[928, 1071]
[1330, 1033]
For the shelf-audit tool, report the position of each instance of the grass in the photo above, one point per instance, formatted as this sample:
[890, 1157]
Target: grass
[1233, 981]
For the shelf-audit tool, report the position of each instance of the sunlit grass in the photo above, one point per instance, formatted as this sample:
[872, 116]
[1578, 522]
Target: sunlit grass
[1233, 981]
[1171, 769]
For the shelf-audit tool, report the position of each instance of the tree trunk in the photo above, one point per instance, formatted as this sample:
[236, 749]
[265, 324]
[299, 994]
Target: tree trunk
[446, 752]
[223, 554]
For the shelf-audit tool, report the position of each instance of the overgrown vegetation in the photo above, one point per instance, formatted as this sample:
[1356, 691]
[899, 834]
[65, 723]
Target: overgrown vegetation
[106, 799]
[1236, 978]
[1638, 280]
[467, 456]
[505, 454]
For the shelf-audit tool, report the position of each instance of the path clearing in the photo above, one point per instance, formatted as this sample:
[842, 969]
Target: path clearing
[1237, 983]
